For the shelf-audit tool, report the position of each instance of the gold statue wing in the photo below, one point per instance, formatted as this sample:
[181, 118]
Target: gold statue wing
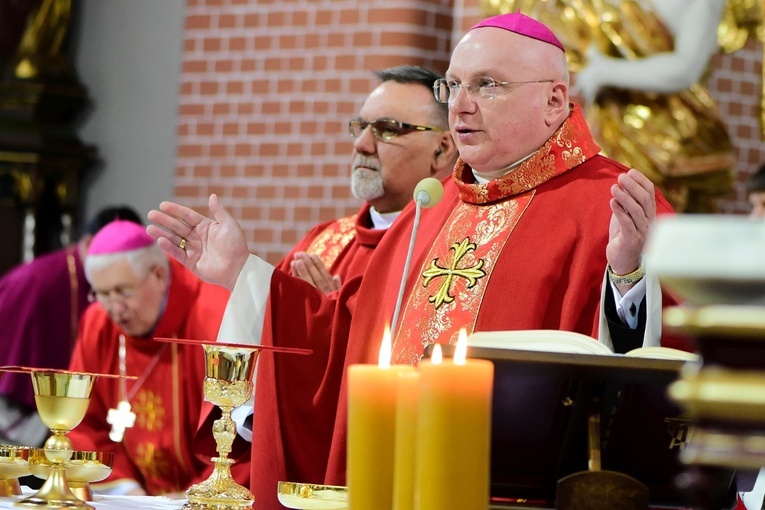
[741, 20]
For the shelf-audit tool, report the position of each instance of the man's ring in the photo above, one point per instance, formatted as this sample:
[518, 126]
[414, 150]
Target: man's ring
[182, 244]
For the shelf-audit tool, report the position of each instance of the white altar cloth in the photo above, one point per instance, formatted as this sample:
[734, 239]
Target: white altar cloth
[115, 502]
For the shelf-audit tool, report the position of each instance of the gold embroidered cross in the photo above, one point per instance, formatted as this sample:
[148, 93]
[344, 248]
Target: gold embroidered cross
[471, 274]
[149, 410]
[149, 461]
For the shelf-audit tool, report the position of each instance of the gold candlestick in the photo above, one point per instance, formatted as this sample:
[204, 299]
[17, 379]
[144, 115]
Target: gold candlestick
[62, 400]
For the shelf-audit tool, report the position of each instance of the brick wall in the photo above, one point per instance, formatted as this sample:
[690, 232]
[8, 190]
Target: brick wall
[735, 82]
[267, 89]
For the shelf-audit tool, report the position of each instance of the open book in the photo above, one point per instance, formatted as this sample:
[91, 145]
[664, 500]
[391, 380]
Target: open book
[553, 340]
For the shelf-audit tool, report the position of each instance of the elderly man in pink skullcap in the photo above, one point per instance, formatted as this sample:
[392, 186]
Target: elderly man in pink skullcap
[148, 422]
[536, 230]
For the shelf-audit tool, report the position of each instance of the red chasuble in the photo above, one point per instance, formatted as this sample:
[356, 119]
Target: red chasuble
[527, 251]
[167, 396]
[345, 246]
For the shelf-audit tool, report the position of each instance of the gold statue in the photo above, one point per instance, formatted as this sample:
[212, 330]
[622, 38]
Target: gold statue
[41, 47]
[640, 68]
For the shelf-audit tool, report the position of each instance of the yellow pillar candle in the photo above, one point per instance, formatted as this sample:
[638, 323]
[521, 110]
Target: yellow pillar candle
[407, 396]
[371, 431]
[453, 433]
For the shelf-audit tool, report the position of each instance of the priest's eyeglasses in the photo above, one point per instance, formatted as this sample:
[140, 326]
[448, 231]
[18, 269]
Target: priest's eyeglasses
[446, 91]
[385, 130]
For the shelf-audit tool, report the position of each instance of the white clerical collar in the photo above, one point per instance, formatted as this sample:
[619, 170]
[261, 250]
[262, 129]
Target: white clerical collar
[483, 180]
[381, 221]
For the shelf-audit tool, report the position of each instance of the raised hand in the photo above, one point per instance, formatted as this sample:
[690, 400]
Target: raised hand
[633, 207]
[309, 268]
[215, 250]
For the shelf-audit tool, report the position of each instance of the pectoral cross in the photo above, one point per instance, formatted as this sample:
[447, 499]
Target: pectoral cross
[452, 272]
[120, 419]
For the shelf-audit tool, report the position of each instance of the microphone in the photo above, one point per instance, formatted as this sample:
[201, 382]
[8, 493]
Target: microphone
[427, 193]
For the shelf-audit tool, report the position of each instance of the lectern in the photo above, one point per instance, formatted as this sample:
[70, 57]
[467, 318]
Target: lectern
[543, 403]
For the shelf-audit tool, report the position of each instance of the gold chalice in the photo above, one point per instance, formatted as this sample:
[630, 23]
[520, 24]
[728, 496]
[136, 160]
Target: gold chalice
[228, 384]
[62, 400]
[81, 469]
[13, 464]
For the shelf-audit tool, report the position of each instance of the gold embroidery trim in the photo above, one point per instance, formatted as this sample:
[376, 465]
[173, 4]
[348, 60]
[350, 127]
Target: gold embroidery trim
[332, 240]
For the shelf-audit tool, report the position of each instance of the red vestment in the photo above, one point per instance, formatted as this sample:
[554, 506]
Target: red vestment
[540, 236]
[344, 246]
[167, 396]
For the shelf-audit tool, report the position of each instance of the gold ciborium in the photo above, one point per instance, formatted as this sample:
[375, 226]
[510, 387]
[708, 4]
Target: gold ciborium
[228, 384]
[81, 469]
[62, 400]
[306, 496]
[13, 464]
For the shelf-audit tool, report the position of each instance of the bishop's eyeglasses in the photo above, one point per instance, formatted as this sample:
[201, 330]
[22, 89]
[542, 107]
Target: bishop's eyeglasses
[385, 130]
[446, 91]
[118, 294]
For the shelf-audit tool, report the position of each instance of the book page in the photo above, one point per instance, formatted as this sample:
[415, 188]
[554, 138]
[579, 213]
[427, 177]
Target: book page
[544, 340]
[662, 353]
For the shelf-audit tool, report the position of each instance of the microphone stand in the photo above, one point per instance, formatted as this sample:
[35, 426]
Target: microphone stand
[402, 286]
[427, 193]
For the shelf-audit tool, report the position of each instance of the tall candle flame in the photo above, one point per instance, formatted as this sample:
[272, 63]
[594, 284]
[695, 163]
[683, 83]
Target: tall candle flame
[436, 356]
[460, 350]
[385, 350]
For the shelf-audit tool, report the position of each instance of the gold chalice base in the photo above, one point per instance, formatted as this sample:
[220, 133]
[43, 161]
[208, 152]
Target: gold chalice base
[13, 464]
[82, 469]
[219, 491]
[306, 496]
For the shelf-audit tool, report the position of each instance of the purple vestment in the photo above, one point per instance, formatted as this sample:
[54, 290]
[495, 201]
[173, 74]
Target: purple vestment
[36, 318]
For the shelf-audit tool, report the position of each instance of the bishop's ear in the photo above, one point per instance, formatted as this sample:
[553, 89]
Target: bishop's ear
[557, 103]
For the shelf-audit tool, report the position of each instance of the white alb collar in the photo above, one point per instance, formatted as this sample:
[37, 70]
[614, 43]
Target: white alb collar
[382, 221]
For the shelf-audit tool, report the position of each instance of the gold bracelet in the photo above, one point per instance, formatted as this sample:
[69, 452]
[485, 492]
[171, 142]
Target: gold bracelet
[626, 279]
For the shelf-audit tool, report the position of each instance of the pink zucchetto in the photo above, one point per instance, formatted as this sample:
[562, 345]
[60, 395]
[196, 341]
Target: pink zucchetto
[523, 25]
[119, 236]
